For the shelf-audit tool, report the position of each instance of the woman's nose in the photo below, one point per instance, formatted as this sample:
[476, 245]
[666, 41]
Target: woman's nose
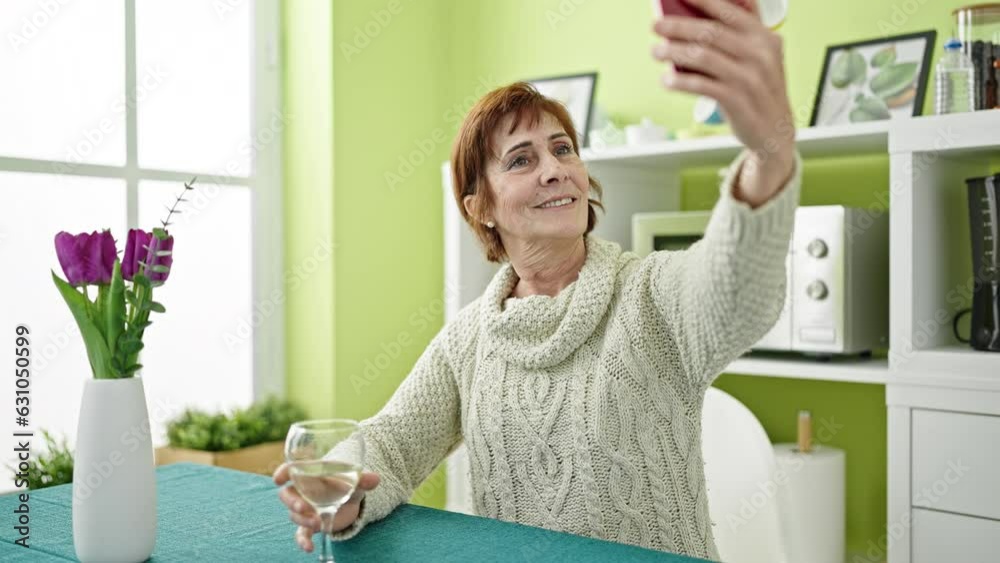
[553, 171]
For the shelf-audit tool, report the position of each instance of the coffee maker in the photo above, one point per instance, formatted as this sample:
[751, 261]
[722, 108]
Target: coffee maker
[984, 229]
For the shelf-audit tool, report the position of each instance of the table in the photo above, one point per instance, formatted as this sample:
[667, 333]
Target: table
[214, 514]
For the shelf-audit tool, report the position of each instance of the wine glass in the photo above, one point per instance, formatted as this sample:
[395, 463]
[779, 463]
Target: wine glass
[325, 461]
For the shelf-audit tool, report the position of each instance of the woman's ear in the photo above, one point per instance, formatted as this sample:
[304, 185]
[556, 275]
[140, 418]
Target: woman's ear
[469, 205]
[469, 202]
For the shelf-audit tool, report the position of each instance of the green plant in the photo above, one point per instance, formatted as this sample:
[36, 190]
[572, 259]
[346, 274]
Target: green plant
[54, 467]
[265, 421]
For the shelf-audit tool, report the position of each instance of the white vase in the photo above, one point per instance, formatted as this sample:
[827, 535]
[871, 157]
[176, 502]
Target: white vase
[114, 478]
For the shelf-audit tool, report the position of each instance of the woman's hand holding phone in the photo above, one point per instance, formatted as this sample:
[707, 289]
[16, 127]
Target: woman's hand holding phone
[727, 54]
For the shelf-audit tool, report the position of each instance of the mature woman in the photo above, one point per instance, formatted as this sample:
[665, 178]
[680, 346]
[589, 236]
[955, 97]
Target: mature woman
[576, 380]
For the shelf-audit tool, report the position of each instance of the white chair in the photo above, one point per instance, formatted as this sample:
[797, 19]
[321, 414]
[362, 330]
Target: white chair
[739, 474]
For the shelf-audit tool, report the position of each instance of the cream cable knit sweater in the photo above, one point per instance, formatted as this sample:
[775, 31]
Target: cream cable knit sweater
[582, 412]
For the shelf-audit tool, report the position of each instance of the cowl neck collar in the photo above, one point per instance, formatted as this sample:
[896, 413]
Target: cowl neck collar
[540, 331]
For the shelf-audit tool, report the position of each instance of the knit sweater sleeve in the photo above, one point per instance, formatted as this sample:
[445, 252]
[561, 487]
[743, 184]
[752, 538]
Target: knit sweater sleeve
[723, 294]
[410, 435]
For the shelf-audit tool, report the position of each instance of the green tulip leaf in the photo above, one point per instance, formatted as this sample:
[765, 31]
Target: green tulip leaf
[848, 68]
[93, 340]
[96, 309]
[869, 109]
[114, 308]
[894, 79]
[884, 57]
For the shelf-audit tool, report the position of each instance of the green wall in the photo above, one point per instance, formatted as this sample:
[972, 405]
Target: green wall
[308, 202]
[388, 99]
[398, 91]
[365, 84]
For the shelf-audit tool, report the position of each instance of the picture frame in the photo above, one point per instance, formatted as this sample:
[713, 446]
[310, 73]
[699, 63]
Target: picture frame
[875, 79]
[576, 92]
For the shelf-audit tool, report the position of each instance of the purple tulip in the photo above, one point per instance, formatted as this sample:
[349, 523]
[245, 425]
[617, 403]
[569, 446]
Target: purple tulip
[135, 244]
[142, 247]
[86, 259]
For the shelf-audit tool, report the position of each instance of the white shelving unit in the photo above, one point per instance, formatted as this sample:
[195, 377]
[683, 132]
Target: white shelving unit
[874, 371]
[929, 161]
[931, 375]
[927, 370]
[835, 140]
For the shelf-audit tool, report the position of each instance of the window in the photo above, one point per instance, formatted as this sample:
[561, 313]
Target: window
[107, 109]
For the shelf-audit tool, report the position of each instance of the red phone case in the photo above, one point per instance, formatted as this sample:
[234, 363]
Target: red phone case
[679, 8]
[682, 8]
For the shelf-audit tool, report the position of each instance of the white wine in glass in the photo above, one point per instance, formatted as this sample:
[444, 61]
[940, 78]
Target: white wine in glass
[325, 459]
[325, 483]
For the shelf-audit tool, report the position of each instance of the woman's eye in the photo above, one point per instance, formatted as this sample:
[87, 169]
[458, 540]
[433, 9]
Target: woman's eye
[564, 149]
[518, 161]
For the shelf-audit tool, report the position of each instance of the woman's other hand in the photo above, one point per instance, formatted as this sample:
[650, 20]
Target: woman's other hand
[303, 514]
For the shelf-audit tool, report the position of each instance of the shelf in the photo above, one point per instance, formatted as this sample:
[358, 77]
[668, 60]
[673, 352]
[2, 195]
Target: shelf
[850, 370]
[956, 366]
[835, 140]
[973, 133]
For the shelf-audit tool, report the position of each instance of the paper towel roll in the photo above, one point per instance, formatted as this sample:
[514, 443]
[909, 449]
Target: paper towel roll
[811, 502]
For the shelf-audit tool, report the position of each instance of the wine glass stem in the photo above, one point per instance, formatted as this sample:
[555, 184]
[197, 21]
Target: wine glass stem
[326, 519]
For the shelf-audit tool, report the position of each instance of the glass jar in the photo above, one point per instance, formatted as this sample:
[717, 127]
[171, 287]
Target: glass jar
[978, 22]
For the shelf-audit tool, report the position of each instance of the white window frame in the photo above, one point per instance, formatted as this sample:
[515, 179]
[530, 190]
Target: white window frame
[264, 183]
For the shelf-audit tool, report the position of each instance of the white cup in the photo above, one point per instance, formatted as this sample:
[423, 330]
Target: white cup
[644, 133]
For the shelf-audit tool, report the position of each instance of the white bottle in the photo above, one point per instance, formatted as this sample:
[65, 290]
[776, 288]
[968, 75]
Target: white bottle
[954, 81]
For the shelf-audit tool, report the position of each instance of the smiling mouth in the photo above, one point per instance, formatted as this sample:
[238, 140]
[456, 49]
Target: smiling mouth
[564, 202]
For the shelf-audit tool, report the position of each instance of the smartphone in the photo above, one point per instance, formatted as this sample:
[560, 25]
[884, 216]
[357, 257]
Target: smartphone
[677, 8]
[682, 8]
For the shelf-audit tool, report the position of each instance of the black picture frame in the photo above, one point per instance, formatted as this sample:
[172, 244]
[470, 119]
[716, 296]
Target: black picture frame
[920, 85]
[588, 80]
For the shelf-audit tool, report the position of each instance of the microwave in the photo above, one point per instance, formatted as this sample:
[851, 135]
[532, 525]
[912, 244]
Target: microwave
[837, 290]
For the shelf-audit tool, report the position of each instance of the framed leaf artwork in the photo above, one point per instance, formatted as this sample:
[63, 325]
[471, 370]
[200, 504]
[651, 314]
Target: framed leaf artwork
[873, 80]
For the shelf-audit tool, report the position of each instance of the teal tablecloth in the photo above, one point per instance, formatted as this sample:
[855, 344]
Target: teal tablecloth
[213, 514]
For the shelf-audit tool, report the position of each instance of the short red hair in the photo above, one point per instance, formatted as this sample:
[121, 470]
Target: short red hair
[472, 149]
